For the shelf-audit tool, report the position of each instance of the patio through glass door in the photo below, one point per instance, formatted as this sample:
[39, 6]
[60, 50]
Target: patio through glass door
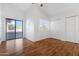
[14, 29]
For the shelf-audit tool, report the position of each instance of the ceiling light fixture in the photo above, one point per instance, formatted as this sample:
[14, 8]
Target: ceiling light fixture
[40, 4]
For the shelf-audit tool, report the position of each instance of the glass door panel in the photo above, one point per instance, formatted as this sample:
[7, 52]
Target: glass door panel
[10, 29]
[19, 31]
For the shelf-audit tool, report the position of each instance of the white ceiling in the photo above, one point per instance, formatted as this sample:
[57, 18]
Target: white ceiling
[22, 6]
[57, 9]
[51, 9]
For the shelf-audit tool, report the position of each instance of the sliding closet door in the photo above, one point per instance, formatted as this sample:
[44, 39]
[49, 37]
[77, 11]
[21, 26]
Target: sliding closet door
[71, 29]
[10, 30]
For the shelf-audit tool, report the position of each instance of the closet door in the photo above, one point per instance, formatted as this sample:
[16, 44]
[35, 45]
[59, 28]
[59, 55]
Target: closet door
[71, 29]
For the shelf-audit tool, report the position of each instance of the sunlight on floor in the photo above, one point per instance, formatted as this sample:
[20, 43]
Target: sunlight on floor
[11, 46]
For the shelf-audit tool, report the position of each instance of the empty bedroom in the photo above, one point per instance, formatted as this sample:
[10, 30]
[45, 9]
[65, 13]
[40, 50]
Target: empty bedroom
[39, 29]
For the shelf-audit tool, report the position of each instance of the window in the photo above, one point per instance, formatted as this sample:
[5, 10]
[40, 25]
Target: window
[44, 24]
[30, 26]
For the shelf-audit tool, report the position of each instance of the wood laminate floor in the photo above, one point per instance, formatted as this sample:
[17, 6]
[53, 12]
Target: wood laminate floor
[47, 47]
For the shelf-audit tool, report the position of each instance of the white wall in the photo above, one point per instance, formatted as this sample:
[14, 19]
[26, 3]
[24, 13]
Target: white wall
[41, 32]
[10, 11]
[57, 29]
[36, 14]
[66, 29]
[0, 23]
[77, 29]
[71, 29]
[65, 24]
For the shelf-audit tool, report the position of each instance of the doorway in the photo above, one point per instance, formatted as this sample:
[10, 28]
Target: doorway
[14, 29]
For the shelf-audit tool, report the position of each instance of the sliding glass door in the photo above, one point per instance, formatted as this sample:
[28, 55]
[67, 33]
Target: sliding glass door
[10, 29]
[19, 32]
[13, 29]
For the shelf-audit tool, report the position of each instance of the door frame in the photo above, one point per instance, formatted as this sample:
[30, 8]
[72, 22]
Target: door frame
[15, 28]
